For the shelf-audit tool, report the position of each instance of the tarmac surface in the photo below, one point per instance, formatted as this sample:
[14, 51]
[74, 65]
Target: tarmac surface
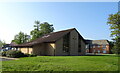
[7, 59]
[4, 59]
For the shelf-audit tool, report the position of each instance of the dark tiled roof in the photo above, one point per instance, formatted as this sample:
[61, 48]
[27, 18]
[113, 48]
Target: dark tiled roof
[13, 44]
[51, 37]
[100, 42]
[97, 42]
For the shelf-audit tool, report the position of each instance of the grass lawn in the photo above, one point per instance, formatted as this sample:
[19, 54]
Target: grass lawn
[63, 63]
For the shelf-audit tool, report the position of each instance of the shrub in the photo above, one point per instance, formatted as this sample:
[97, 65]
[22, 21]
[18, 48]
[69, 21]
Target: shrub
[30, 55]
[14, 54]
[3, 53]
[26, 55]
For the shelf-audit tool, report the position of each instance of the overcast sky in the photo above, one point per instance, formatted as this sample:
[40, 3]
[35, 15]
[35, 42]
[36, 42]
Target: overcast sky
[89, 18]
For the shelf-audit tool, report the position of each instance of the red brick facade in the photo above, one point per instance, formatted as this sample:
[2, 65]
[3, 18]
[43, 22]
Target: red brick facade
[98, 48]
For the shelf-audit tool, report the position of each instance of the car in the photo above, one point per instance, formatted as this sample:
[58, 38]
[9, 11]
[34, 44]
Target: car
[3, 50]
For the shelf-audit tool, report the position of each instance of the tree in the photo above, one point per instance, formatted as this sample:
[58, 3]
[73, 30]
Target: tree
[21, 38]
[114, 22]
[40, 29]
[111, 47]
[37, 25]
[116, 47]
[2, 43]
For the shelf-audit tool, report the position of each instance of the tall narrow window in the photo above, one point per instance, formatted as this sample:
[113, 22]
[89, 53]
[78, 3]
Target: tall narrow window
[66, 41]
[79, 44]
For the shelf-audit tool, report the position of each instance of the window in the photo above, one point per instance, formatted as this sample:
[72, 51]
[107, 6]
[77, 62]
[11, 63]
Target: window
[87, 46]
[104, 51]
[98, 46]
[104, 46]
[98, 51]
[94, 46]
[66, 40]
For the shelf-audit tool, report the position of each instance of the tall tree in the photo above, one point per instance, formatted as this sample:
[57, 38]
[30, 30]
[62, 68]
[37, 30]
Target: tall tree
[40, 29]
[37, 25]
[112, 50]
[21, 38]
[114, 22]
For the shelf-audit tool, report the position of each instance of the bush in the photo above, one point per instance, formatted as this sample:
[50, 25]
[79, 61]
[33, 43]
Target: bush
[30, 55]
[14, 54]
[3, 53]
[26, 55]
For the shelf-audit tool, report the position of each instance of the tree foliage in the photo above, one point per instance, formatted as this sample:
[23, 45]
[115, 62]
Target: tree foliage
[21, 38]
[114, 22]
[2, 43]
[111, 43]
[40, 29]
[116, 47]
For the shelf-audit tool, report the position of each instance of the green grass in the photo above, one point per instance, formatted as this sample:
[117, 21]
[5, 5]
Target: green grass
[63, 63]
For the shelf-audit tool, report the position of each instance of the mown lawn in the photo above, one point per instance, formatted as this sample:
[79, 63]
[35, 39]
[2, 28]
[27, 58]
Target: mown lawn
[63, 63]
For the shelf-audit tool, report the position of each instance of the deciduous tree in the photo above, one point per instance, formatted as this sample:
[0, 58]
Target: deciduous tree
[2, 43]
[21, 38]
[114, 23]
[40, 29]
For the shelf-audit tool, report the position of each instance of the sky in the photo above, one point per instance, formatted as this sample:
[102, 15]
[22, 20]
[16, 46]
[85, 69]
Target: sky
[89, 18]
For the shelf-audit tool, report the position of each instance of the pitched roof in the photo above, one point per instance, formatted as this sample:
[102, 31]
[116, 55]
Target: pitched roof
[100, 42]
[97, 42]
[51, 37]
[13, 44]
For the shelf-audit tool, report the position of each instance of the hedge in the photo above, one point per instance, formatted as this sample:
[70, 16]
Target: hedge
[14, 54]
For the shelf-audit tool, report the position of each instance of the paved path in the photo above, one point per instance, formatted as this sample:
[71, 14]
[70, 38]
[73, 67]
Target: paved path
[7, 59]
[4, 59]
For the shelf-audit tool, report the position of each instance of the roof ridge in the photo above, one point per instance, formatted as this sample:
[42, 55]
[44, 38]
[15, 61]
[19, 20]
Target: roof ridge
[100, 40]
[63, 30]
